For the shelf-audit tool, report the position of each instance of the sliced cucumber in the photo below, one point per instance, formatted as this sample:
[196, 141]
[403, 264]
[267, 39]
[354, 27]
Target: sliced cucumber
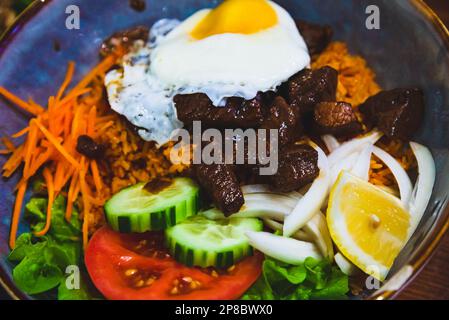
[135, 209]
[198, 241]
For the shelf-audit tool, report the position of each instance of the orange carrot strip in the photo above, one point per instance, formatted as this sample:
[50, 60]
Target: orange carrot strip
[67, 80]
[86, 204]
[5, 151]
[51, 195]
[8, 144]
[103, 66]
[19, 102]
[91, 121]
[13, 162]
[96, 175]
[21, 133]
[30, 148]
[57, 144]
[16, 214]
[73, 193]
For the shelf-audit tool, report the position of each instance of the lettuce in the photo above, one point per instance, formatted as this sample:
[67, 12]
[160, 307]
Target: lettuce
[311, 280]
[41, 261]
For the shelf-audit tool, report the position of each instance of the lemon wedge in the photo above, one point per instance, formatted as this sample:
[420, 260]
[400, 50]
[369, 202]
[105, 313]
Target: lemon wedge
[368, 225]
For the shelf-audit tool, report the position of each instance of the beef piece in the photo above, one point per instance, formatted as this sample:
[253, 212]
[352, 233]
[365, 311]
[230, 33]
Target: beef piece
[336, 118]
[317, 37]
[124, 40]
[397, 113]
[238, 113]
[298, 166]
[220, 182]
[285, 118]
[86, 146]
[309, 87]
[138, 5]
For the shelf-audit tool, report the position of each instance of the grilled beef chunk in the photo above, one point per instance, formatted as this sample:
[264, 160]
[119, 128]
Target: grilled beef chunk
[86, 146]
[220, 182]
[285, 118]
[336, 118]
[238, 113]
[317, 37]
[308, 87]
[298, 166]
[124, 40]
[397, 113]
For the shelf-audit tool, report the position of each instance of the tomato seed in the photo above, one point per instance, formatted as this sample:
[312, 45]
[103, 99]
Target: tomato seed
[130, 272]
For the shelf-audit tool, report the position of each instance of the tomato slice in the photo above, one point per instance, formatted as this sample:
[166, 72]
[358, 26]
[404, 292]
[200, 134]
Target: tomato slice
[137, 267]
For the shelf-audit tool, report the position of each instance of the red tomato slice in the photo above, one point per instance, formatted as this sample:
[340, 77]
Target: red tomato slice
[137, 267]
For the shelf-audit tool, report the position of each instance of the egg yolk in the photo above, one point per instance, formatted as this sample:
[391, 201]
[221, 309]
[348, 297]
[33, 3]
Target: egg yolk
[236, 16]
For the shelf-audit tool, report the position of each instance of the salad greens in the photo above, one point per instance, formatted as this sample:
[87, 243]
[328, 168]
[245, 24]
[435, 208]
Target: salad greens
[311, 280]
[42, 261]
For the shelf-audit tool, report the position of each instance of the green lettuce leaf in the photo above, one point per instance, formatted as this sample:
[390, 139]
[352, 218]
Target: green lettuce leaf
[311, 280]
[41, 261]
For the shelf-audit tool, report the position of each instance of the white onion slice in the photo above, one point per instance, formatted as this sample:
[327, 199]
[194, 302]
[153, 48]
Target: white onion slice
[312, 201]
[272, 198]
[362, 165]
[401, 176]
[277, 226]
[317, 229]
[265, 189]
[284, 249]
[256, 188]
[345, 265]
[263, 209]
[331, 142]
[354, 145]
[346, 165]
[424, 185]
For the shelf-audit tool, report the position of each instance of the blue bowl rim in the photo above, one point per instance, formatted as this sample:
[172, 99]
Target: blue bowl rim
[422, 258]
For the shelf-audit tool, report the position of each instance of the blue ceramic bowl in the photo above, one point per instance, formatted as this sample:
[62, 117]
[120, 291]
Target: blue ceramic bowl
[411, 48]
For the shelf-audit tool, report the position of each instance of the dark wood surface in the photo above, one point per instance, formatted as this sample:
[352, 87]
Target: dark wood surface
[433, 282]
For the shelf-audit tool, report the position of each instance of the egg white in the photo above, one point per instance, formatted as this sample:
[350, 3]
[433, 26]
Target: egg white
[221, 66]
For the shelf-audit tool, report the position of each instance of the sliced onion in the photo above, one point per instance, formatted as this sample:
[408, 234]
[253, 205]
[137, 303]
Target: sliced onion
[345, 265]
[256, 188]
[354, 145]
[312, 201]
[265, 189]
[317, 229]
[362, 165]
[263, 209]
[401, 176]
[277, 226]
[284, 249]
[331, 142]
[424, 185]
[346, 165]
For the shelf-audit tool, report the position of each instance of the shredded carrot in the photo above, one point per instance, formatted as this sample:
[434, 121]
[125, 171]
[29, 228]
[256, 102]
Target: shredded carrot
[16, 214]
[20, 103]
[21, 133]
[8, 144]
[50, 141]
[51, 195]
[67, 80]
[86, 203]
[102, 67]
[96, 176]
[56, 144]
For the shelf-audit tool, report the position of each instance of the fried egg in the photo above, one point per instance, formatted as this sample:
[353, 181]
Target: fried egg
[238, 49]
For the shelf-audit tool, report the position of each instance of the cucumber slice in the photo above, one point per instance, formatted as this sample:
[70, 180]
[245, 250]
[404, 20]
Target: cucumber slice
[135, 209]
[198, 241]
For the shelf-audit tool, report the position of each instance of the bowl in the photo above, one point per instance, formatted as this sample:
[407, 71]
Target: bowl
[411, 48]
